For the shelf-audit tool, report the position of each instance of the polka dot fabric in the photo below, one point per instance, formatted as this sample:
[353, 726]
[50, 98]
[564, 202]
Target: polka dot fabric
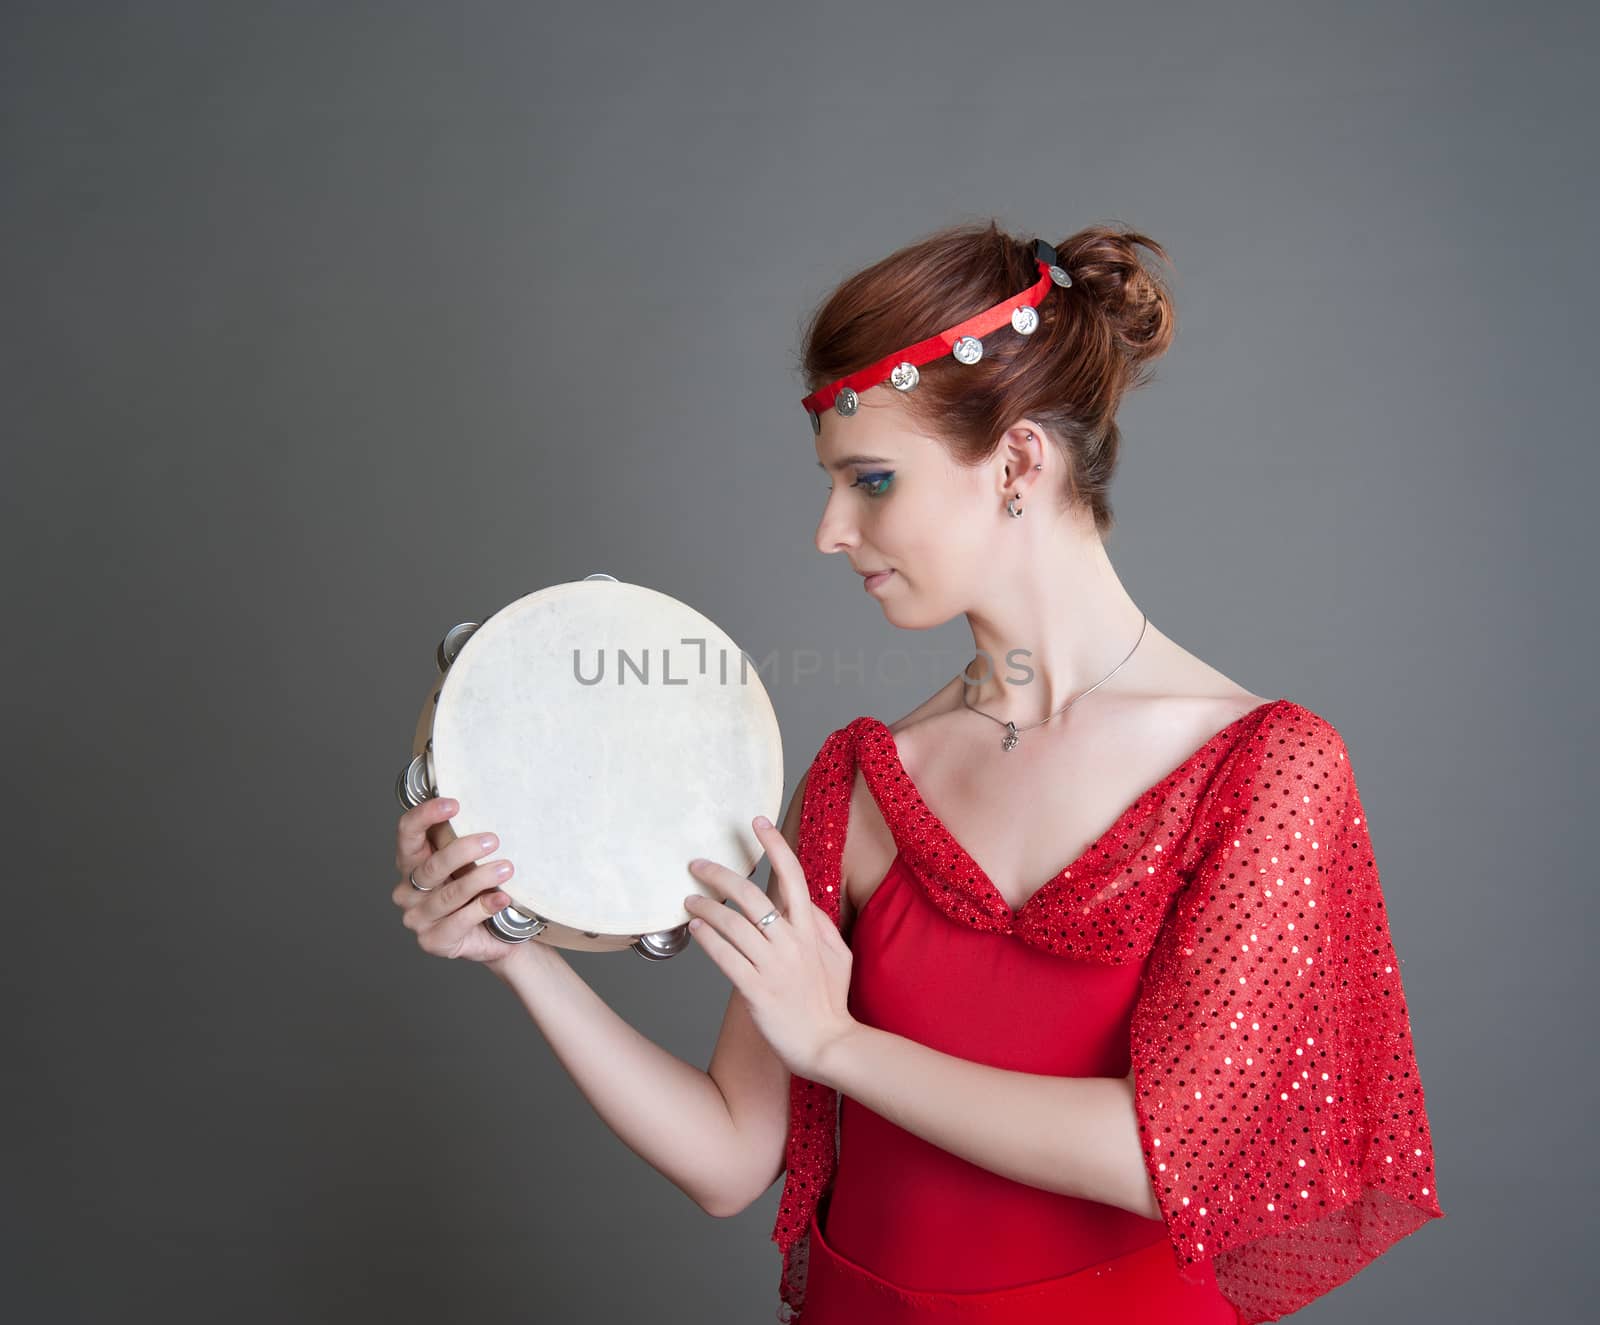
[1281, 1114]
[1279, 1109]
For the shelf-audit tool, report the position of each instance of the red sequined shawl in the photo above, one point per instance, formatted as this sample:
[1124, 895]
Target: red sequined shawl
[1279, 1107]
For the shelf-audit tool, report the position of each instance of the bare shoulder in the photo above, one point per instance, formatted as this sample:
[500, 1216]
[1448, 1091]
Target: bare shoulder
[1187, 699]
[945, 700]
[1176, 671]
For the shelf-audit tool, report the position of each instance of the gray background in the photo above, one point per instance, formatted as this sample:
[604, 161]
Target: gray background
[329, 326]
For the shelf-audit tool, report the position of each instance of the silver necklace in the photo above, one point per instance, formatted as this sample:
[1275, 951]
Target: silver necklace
[1012, 736]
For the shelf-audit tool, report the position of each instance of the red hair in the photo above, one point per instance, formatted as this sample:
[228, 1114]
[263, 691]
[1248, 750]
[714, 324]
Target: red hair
[1095, 341]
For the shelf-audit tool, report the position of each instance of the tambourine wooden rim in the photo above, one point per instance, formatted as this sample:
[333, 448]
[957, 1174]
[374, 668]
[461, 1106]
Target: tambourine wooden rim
[599, 789]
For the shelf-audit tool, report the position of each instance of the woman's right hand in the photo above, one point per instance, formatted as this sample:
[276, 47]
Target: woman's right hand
[448, 918]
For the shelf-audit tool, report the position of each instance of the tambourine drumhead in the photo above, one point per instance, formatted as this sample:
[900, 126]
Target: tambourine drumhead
[606, 733]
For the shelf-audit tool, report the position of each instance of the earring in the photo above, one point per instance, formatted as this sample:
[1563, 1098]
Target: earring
[1011, 503]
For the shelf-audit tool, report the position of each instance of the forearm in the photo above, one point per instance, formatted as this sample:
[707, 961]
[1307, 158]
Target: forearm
[1074, 1135]
[668, 1112]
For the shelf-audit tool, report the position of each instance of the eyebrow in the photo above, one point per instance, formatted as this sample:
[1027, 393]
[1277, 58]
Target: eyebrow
[857, 460]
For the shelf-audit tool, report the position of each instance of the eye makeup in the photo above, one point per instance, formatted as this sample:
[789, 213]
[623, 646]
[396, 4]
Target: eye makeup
[874, 485]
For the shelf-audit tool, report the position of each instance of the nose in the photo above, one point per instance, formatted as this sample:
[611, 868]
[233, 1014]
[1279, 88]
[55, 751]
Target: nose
[836, 531]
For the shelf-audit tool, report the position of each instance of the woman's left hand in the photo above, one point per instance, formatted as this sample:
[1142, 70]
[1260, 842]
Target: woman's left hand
[795, 971]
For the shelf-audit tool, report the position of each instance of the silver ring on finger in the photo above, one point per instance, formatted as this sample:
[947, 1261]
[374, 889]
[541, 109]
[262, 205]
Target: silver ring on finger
[413, 877]
[767, 919]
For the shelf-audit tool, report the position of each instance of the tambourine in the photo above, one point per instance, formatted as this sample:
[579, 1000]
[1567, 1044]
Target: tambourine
[607, 733]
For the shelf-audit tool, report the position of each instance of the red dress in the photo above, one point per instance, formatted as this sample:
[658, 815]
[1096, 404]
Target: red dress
[1226, 939]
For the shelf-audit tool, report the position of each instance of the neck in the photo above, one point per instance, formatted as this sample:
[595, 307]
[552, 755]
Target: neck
[1071, 621]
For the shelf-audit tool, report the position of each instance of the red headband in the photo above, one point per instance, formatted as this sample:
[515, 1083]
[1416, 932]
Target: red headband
[961, 340]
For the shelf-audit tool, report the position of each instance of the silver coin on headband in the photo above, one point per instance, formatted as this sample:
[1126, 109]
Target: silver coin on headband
[847, 401]
[1059, 276]
[969, 349]
[904, 376]
[1025, 319]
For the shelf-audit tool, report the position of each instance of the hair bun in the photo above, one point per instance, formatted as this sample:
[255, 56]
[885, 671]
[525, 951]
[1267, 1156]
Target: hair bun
[1131, 294]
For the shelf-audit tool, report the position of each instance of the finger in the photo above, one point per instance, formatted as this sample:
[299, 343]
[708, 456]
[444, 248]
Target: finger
[438, 868]
[729, 958]
[793, 890]
[415, 889]
[751, 901]
[448, 936]
[412, 836]
[448, 897]
[731, 926]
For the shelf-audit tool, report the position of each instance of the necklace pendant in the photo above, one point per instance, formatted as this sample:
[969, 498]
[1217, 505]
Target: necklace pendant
[1010, 739]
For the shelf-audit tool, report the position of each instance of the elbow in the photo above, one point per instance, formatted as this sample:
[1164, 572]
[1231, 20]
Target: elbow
[724, 1209]
[1143, 1199]
[745, 1195]
[725, 1199]
[1136, 1182]
[744, 1187]
[1130, 1190]
[1151, 1208]
[1141, 1193]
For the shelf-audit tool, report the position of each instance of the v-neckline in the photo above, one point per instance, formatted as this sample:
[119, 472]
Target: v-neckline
[970, 866]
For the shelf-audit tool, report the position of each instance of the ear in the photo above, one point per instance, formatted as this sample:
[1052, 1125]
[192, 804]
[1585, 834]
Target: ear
[1023, 455]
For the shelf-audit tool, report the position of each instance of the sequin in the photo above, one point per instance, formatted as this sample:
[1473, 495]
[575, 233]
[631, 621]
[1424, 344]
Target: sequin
[1244, 883]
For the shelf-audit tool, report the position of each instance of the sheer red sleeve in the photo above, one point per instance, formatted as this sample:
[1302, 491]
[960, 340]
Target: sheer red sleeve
[1279, 1107]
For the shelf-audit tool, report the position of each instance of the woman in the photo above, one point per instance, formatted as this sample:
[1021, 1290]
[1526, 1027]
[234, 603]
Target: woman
[1173, 1082]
